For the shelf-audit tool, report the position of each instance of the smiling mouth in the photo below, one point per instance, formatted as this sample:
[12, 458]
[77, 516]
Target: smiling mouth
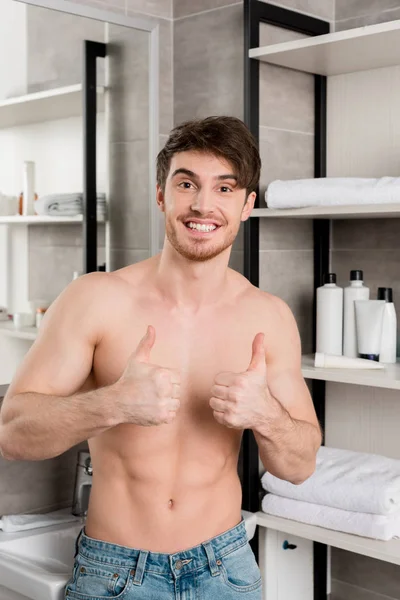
[201, 227]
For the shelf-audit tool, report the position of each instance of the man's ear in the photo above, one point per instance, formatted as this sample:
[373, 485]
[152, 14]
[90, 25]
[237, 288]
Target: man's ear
[160, 198]
[249, 205]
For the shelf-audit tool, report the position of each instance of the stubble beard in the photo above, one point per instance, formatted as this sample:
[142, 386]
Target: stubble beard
[198, 250]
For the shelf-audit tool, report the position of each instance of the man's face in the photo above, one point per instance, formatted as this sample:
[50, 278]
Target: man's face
[203, 205]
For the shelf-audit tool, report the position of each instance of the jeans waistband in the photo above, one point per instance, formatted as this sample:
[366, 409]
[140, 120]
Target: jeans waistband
[208, 552]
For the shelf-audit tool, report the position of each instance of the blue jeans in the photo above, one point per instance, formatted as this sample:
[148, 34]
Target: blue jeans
[221, 568]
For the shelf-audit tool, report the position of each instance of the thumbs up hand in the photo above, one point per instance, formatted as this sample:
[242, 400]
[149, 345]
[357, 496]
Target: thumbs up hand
[240, 400]
[147, 394]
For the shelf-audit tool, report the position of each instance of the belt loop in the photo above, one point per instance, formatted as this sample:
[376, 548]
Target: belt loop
[211, 558]
[140, 566]
[77, 542]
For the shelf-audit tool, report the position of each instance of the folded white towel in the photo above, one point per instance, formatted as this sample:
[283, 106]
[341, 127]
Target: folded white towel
[66, 205]
[378, 527]
[367, 483]
[331, 191]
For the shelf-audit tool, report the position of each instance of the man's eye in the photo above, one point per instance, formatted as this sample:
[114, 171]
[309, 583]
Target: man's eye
[224, 188]
[185, 184]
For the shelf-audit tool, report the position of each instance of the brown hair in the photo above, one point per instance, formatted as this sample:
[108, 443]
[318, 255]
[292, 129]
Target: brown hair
[226, 137]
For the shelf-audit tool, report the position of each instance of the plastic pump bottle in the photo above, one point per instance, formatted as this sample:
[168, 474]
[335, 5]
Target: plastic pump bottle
[329, 316]
[389, 327]
[355, 291]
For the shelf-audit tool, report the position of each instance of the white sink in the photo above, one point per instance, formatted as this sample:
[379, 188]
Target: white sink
[38, 563]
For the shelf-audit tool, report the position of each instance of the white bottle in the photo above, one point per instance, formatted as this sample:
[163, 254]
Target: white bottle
[28, 202]
[389, 327]
[355, 291]
[329, 316]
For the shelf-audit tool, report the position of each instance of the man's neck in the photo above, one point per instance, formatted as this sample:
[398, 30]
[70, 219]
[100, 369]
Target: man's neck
[189, 284]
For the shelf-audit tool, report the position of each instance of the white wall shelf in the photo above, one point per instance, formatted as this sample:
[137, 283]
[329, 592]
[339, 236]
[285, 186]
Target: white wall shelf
[50, 105]
[366, 211]
[44, 220]
[387, 551]
[360, 49]
[26, 333]
[388, 378]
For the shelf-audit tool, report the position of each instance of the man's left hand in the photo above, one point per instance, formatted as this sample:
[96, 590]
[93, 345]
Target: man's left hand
[240, 400]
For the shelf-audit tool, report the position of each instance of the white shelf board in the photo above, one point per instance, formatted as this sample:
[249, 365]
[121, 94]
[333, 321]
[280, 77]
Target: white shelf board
[58, 103]
[387, 551]
[43, 220]
[26, 333]
[388, 378]
[366, 211]
[360, 49]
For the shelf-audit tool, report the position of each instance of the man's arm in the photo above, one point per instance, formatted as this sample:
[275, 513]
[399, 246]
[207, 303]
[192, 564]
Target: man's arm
[289, 436]
[43, 414]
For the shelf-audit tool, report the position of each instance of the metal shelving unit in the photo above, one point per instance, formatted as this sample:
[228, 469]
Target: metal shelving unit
[322, 54]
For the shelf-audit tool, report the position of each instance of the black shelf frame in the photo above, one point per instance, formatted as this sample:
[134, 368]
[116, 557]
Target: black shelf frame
[91, 51]
[257, 12]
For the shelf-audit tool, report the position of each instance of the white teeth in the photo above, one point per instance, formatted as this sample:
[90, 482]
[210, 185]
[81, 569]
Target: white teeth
[200, 227]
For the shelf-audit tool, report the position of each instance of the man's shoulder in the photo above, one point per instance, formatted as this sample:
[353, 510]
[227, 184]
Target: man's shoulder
[96, 292]
[270, 309]
[256, 297]
[266, 299]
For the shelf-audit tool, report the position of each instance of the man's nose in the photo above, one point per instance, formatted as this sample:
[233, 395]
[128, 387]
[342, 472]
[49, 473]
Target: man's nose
[203, 202]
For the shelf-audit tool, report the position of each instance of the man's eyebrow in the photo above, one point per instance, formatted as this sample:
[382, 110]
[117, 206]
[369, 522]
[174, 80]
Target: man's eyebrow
[228, 176]
[184, 172]
[190, 173]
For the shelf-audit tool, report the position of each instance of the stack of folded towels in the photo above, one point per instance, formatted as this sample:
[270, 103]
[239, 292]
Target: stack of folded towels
[67, 205]
[332, 191]
[349, 491]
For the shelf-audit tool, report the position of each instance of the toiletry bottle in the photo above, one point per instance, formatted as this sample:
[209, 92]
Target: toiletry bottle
[329, 316]
[389, 327]
[28, 197]
[355, 291]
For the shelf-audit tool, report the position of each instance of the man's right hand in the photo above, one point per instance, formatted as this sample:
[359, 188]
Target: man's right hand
[147, 394]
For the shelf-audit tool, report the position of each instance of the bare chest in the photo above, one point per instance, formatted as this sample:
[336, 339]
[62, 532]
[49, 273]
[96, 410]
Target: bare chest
[199, 348]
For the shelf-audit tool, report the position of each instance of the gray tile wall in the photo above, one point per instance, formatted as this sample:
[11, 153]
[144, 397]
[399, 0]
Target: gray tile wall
[38, 486]
[358, 13]
[373, 246]
[287, 152]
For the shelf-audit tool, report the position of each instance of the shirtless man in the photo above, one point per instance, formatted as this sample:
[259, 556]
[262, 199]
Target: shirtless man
[161, 365]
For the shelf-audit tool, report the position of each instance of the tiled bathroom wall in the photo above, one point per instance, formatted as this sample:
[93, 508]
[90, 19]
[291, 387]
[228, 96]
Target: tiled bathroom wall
[357, 13]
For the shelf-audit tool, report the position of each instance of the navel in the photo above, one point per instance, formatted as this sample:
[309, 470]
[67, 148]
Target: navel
[171, 503]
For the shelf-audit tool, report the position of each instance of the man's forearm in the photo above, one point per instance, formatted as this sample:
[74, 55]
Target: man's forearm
[287, 446]
[39, 426]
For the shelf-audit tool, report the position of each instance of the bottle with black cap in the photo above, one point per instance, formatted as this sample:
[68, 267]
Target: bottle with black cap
[329, 316]
[355, 291]
[389, 327]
